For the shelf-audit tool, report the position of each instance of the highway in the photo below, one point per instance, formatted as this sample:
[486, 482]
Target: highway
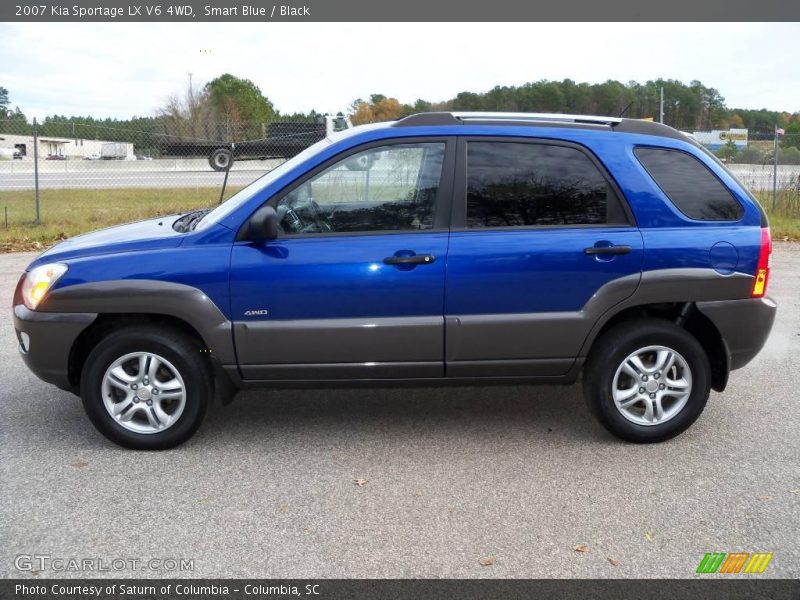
[123, 179]
[195, 172]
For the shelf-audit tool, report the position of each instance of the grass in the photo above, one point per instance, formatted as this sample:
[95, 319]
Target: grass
[784, 221]
[65, 213]
[784, 228]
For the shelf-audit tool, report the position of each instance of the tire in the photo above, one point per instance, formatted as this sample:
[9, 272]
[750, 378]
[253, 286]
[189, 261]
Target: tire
[364, 162]
[220, 159]
[172, 389]
[607, 370]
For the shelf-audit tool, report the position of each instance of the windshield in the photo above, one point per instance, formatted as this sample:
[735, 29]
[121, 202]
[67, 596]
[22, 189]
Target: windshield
[239, 198]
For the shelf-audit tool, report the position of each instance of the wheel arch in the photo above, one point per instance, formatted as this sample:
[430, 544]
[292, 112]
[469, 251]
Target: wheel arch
[685, 315]
[130, 302]
[107, 323]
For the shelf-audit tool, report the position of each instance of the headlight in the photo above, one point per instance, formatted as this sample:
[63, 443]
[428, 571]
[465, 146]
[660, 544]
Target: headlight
[38, 281]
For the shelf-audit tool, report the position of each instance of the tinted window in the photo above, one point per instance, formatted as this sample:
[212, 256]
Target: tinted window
[690, 185]
[511, 184]
[389, 188]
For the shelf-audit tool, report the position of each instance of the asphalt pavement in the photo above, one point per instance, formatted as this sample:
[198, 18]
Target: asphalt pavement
[407, 483]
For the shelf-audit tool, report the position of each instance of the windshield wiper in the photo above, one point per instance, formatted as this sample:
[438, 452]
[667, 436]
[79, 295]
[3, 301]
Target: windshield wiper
[190, 220]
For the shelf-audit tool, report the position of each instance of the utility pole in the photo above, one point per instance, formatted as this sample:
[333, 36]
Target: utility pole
[191, 102]
[36, 164]
[775, 170]
[661, 109]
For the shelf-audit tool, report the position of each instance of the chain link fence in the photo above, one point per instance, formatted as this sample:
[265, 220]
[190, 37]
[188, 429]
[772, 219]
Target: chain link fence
[768, 163]
[754, 162]
[60, 179]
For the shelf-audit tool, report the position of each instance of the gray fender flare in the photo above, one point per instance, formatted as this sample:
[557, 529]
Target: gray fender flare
[145, 296]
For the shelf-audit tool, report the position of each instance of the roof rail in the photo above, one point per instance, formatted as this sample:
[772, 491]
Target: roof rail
[518, 116]
[457, 118]
[618, 124]
[429, 118]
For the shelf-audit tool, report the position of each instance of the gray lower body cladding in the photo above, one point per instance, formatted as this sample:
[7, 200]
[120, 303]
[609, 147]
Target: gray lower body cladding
[534, 346]
[743, 324]
[144, 296]
[46, 339]
[524, 346]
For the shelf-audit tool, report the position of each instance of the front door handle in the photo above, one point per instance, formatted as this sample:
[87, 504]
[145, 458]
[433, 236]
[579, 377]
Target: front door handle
[594, 250]
[414, 259]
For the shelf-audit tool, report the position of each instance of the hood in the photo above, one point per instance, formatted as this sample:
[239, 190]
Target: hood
[150, 234]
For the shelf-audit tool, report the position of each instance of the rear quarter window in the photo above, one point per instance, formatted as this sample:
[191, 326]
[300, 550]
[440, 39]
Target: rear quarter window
[690, 185]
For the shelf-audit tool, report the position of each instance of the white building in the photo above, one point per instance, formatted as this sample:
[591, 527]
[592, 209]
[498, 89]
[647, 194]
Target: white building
[716, 139]
[55, 146]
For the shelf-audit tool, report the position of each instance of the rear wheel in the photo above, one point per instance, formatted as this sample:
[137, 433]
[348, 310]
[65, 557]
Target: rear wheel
[647, 380]
[146, 388]
[220, 159]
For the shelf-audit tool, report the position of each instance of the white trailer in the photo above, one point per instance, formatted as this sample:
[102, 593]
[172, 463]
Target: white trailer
[114, 151]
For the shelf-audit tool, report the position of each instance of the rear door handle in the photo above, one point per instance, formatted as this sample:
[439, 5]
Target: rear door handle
[594, 250]
[415, 259]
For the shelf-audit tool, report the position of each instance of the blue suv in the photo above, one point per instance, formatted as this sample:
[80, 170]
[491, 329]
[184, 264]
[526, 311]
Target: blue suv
[442, 249]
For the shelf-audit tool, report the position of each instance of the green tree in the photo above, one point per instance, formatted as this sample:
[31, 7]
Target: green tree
[239, 100]
[728, 150]
[751, 155]
[789, 156]
[422, 106]
[791, 139]
[14, 119]
[468, 101]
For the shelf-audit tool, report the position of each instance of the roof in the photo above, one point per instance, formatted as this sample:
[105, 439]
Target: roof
[542, 120]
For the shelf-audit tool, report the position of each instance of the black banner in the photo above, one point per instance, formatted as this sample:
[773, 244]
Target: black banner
[407, 10]
[328, 589]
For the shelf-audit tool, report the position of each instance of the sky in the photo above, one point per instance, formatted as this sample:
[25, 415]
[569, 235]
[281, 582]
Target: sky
[125, 69]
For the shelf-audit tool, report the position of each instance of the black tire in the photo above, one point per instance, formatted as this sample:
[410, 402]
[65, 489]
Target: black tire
[363, 162]
[220, 159]
[183, 354]
[609, 352]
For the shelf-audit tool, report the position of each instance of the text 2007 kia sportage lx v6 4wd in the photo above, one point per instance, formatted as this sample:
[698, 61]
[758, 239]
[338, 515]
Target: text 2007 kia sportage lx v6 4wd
[444, 248]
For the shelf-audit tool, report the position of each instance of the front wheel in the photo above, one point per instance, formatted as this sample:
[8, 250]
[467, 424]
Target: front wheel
[146, 388]
[647, 380]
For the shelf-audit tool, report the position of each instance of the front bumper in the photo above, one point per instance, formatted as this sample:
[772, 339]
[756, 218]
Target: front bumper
[46, 339]
[743, 324]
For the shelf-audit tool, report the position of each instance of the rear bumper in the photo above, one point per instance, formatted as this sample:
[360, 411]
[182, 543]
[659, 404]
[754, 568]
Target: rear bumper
[46, 339]
[744, 325]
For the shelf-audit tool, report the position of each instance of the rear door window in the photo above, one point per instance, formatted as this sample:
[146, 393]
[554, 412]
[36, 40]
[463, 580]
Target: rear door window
[518, 184]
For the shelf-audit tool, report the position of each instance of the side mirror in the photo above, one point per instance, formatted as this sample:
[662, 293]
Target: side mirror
[263, 225]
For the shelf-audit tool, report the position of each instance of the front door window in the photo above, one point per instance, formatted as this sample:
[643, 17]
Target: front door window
[388, 188]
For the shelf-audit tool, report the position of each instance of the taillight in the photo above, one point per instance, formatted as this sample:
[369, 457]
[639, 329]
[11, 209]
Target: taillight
[764, 260]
